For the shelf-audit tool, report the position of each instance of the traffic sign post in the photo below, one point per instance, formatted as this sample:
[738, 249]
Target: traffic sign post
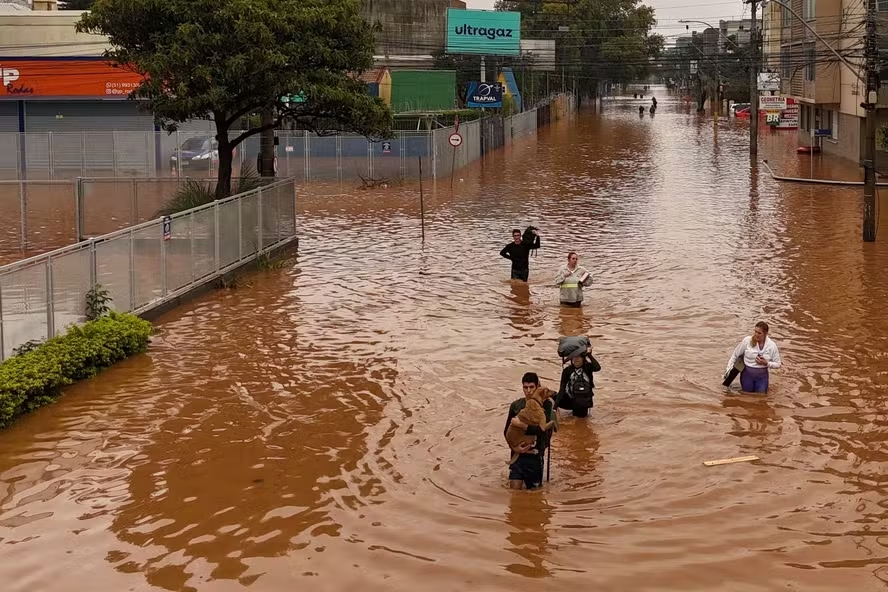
[456, 141]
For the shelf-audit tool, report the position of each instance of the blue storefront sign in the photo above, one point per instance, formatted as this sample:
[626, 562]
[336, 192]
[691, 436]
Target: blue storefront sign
[484, 94]
[484, 32]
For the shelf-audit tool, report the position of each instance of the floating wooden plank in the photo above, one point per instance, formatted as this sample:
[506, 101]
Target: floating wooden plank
[728, 461]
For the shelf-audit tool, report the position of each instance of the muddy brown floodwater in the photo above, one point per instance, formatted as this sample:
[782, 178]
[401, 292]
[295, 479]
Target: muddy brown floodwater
[338, 423]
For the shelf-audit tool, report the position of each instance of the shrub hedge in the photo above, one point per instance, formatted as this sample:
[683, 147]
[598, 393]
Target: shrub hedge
[36, 377]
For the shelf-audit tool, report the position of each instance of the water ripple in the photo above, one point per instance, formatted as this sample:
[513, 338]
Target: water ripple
[340, 420]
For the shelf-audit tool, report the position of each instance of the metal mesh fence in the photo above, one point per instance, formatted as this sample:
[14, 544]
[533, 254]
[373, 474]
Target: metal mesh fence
[301, 155]
[38, 216]
[141, 266]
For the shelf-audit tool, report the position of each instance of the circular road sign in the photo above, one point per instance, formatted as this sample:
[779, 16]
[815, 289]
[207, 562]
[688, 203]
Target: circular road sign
[455, 139]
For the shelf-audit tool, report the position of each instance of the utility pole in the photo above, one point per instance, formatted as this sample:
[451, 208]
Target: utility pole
[869, 147]
[753, 87]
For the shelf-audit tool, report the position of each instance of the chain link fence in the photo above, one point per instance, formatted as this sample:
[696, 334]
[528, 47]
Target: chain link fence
[142, 266]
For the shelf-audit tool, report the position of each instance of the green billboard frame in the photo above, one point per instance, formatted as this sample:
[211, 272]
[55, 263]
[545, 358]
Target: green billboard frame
[483, 32]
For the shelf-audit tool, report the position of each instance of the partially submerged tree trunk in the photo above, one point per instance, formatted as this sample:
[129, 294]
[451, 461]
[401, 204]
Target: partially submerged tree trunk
[223, 181]
[266, 145]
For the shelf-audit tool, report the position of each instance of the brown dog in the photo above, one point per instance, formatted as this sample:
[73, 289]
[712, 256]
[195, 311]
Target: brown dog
[532, 414]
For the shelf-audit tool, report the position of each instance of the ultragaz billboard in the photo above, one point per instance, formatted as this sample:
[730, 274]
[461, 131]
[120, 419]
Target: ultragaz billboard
[483, 32]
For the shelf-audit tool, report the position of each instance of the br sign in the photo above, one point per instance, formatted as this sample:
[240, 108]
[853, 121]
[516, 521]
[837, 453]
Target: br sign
[483, 32]
[484, 94]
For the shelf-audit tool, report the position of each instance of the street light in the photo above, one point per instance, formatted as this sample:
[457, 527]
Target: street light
[728, 39]
[718, 81]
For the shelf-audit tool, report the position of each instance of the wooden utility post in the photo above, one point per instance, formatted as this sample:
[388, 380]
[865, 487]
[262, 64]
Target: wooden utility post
[869, 146]
[753, 86]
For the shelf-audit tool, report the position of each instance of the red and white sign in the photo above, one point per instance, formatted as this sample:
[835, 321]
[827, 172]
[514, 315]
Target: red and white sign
[769, 103]
[65, 77]
[789, 117]
[455, 140]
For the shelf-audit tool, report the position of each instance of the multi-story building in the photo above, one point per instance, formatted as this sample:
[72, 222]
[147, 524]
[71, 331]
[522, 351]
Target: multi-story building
[828, 90]
[738, 31]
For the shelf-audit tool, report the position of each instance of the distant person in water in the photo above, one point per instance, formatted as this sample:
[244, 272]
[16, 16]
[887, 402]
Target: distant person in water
[653, 102]
[518, 252]
[641, 110]
[759, 354]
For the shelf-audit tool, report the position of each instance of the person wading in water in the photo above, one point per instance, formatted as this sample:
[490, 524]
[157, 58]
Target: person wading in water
[758, 354]
[527, 471]
[518, 252]
[570, 280]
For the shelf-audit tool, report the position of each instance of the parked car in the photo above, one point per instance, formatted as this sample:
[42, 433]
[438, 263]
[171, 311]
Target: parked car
[196, 153]
[739, 107]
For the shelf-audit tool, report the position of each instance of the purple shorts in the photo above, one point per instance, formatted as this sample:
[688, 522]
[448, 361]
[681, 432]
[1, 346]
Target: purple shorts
[754, 380]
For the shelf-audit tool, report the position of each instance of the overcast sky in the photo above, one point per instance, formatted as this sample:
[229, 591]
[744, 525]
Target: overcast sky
[669, 12]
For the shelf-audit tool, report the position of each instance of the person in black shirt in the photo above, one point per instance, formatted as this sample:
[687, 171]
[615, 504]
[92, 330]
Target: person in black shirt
[576, 392]
[518, 252]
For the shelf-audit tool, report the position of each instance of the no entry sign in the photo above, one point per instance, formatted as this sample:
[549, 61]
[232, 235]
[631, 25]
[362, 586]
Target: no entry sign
[455, 139]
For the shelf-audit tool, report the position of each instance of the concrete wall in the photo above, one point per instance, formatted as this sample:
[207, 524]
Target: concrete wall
[409, 27]
[848, 144]
[46, 33]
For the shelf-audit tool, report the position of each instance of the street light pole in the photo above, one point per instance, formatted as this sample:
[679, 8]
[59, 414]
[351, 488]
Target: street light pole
[869, 146]
[870, 79]
[753, 87]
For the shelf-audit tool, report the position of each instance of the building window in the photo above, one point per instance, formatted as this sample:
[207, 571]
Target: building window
[787, 16]
[810, 66]
[786, 63]
[809, 9]
[882, 5]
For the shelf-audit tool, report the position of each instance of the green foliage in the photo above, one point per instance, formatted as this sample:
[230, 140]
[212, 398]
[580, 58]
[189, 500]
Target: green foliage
[194, 193]
[447, 118]
[191, 194]
[27, 346]
[97, 300]
[509, 106]
[36, 377]
[266, 262]
[882, 138]
[226, 59]
[608, 40]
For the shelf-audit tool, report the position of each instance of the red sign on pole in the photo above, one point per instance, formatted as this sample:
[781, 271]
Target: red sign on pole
[456, 123]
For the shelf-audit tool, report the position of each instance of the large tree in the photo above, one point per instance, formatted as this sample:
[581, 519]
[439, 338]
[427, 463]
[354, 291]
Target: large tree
[604, 40]
[225, 59]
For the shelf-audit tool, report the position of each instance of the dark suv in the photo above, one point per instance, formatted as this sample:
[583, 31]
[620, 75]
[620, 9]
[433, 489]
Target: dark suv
[198, 153]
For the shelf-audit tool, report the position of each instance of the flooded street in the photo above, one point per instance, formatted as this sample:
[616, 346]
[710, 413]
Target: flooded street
[338, 423]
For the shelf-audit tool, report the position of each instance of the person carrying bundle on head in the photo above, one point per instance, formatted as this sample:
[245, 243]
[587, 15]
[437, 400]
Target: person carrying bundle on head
[577, 384]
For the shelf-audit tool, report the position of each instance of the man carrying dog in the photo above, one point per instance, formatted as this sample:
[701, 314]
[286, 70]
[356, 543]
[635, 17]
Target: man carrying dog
[518, 252]
[527, 471]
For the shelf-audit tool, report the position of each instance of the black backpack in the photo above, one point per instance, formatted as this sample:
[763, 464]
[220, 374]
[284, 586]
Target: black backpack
[529, 238]
[580, 388]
